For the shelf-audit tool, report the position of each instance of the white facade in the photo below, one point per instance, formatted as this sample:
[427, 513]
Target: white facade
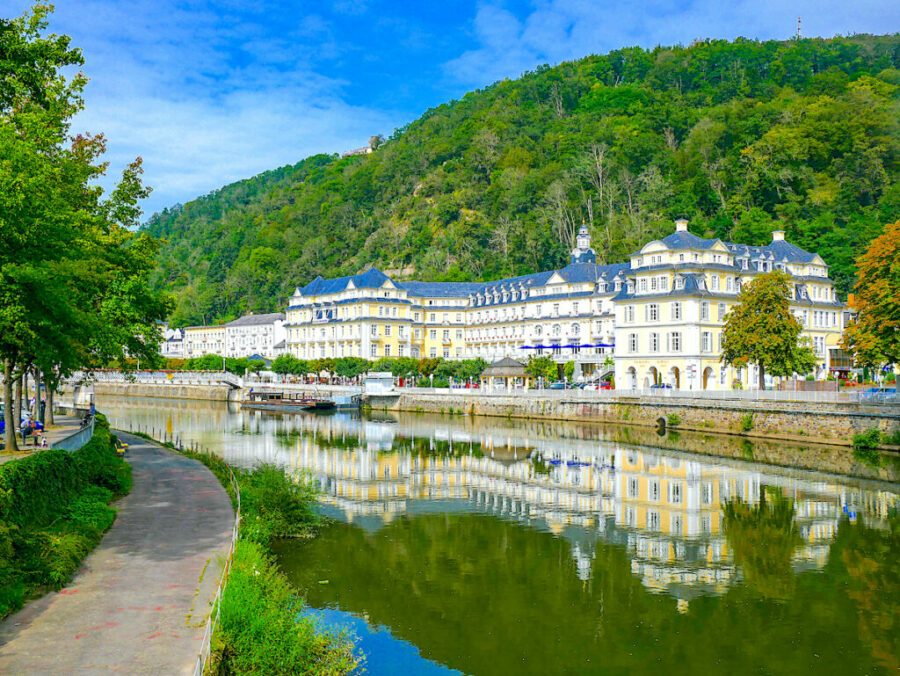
[671, 314]
[255, 334]
[172, 346]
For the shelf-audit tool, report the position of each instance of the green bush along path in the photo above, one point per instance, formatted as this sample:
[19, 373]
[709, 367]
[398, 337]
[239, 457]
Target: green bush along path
[140, 600]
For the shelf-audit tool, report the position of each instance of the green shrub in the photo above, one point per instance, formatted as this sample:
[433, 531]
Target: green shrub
[865, 446]
[53, 511]
[673, 420]
[870, 439]
[262, 629]
[275, 506]
[747, 422]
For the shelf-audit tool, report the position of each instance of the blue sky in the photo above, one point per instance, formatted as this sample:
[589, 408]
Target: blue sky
[212, 92]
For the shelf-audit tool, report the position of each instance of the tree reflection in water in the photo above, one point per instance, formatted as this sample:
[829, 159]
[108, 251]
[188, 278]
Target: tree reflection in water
[763, 537]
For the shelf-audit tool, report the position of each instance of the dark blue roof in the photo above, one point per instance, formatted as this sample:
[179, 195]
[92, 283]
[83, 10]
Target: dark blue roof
[779, 250]
[687, 240]
[373, 278]
[440, 289]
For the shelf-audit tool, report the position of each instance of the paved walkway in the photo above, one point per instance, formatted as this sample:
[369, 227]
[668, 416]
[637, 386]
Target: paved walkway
[140, 602]
[63, 426]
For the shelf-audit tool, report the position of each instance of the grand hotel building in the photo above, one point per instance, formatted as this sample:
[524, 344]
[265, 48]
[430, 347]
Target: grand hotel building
[658, 318]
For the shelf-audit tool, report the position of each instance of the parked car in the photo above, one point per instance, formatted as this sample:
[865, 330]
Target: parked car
[606, 385]
[558, 385]
[661, 386]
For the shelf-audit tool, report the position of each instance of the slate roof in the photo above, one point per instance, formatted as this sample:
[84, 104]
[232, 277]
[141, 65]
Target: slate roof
[781, 251]
[255, 320]
[373, 278]
[440, 289]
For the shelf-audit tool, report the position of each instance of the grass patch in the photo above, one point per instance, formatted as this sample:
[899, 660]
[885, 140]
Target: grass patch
[261, 627]
[261, 630]
[747, 422]
[54, 509]
[673, 420]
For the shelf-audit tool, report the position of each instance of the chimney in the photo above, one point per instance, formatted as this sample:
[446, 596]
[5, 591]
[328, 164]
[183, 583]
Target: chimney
[681, 225]
[778, 235]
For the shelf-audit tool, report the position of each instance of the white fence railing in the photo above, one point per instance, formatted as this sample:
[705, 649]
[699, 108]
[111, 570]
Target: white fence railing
[658, 394]
[159, 377]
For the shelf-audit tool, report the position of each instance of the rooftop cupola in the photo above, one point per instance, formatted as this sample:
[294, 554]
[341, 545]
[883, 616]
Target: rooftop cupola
[681, 225]
[778, 235]
[583, 253]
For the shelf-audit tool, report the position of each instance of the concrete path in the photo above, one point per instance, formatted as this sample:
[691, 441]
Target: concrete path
[140, 602]
[63, 426]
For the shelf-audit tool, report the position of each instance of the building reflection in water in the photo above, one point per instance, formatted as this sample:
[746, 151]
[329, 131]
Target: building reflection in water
[664, 507]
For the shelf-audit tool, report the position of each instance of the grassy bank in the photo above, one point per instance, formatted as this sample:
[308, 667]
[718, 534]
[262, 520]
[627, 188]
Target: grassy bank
[54, 509]
[261, 627]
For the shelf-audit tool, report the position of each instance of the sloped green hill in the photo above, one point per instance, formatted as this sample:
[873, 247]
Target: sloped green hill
[740, 137]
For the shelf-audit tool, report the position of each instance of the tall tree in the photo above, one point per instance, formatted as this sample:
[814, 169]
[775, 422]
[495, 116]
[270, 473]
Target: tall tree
[874, 335]
[762, 330]
[74, 277]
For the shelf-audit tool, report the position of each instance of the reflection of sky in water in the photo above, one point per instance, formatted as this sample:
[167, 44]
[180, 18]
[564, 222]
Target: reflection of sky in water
[385, 654]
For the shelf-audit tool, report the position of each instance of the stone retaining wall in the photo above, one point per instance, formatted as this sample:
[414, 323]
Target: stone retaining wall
[795, 422]
[201, 392]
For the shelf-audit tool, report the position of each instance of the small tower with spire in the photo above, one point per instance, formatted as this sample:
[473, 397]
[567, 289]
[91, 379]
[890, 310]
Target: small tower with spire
[583, 253]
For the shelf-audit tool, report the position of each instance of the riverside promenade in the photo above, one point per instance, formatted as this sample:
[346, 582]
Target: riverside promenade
[140, 602]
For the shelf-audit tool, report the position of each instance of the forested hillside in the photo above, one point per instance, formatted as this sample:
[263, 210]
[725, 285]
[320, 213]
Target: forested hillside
[739, 137]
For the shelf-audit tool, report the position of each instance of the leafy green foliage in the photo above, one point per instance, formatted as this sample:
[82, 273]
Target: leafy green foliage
[74, 273]
[762, 330]
[673, 420]
[763, 538]
[54, 508]
[261, 629]
[747, 421]
[740, 137]
[874, 334]
[542, 367]
[275, 506]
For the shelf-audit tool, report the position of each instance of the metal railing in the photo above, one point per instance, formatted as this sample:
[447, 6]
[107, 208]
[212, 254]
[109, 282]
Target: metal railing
[213, 619]
[659, 394]
[76, 440]
[158, 377]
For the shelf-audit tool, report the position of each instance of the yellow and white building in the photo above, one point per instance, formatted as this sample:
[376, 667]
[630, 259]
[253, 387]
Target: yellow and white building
[565, 313]
[671, 312]
[663, 312]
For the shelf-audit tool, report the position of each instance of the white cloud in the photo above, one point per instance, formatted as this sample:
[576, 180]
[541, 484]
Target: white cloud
[560, 30]
[207, 94]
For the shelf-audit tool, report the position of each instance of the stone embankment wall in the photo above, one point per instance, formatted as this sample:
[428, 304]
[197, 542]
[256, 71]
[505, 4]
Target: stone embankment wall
[201, 392]
[793, 421]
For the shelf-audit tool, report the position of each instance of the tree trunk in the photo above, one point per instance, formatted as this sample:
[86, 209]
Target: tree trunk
[36, 409]
[49, 413]
[17, 403]
[762, 377]
[12, 425]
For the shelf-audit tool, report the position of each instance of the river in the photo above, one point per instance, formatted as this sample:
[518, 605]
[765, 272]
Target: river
[490, 546]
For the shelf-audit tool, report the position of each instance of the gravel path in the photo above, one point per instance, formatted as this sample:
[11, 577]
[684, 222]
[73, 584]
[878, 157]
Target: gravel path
[140, 602]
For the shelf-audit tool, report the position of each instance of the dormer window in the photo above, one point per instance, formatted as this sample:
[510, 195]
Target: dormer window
[630, 287]
[679, 283]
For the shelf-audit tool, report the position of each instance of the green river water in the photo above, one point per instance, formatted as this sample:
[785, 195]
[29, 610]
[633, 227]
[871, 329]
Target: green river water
[485, 546]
